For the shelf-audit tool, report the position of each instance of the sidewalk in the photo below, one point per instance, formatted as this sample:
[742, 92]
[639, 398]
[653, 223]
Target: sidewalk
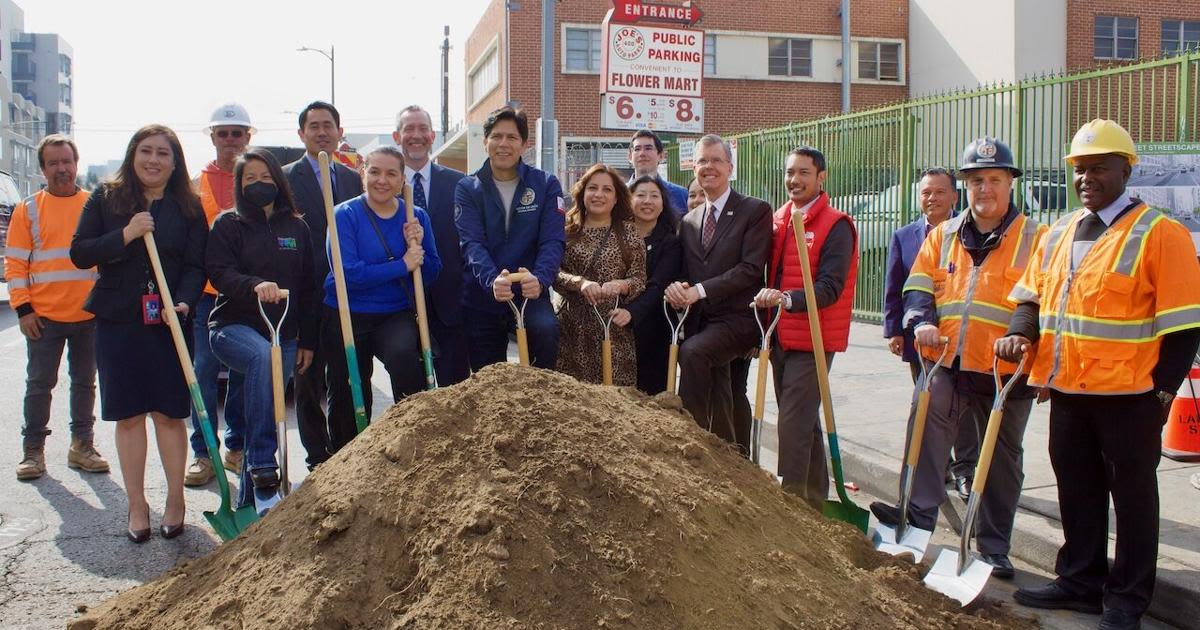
[871, 393]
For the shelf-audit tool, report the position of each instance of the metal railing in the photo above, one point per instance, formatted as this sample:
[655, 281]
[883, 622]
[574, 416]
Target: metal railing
[874, 156]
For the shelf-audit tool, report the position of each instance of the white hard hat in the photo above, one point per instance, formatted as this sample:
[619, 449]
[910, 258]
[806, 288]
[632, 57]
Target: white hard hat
[230, 114]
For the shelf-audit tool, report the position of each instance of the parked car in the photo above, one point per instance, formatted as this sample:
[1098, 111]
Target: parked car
[9, 198]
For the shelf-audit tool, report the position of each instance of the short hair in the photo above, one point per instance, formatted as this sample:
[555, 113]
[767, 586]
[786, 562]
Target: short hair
[55, 139]
[507, 113]
[387, 149]
[811, 153]
[937, 171]
[712, 138]
[646, 133]
[413, 108]
[337, 118]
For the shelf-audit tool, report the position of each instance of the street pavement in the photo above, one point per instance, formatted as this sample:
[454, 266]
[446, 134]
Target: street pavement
[62, 542]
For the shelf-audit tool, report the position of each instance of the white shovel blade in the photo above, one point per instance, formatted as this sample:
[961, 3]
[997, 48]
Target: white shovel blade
[944, 577]
[914, 543]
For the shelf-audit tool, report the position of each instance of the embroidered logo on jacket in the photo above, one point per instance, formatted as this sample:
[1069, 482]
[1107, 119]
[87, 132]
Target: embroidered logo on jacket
[287, 243]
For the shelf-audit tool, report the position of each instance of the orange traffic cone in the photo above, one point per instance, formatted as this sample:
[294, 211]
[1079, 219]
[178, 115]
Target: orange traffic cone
[1181, 436]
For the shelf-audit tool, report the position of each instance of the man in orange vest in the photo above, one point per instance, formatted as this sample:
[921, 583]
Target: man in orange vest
[230, 130]
[833, 257]
[48, 292]
[957, 289]
[1112, 302]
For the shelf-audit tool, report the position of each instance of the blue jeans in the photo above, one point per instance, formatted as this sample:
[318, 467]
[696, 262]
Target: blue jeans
[488, 334]
[247, 352]
[208, 368]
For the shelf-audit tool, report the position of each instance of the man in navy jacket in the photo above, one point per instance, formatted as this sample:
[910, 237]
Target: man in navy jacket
[433, 189]
[645, 154]
[509, 215]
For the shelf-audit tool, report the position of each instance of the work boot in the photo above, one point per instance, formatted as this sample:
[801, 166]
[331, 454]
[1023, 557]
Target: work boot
[233, 462]
[199, 473]
[33, 466]
[1052, 596]
[84, 456]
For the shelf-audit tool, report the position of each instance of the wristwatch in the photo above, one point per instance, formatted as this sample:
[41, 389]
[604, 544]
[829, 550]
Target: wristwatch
[1164, 397]
[787, 301]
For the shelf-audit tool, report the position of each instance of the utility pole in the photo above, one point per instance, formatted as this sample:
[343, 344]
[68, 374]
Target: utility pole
[445, 81]
[547, 125]
[332, 68]
[846, 55]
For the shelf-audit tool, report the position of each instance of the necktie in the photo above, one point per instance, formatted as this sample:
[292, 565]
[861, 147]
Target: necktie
[418, 191]
[710, 226]
[332, 183]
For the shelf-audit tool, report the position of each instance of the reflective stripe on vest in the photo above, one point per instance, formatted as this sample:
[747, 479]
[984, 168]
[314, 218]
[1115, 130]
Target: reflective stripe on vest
[1135, 242]
[31, 210]
[918, 282]
[1055, 235]
[978, 310]
[59, 276]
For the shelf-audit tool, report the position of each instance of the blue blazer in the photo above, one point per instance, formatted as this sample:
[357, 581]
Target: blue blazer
[443, 296]
[535, 240]
[906, 242]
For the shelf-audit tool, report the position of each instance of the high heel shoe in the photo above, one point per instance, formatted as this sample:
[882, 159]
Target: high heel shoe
[171, 531]
[141, 535]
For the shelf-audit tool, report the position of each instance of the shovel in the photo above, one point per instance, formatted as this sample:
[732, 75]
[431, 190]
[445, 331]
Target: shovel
[606, 343]
[519, 315]
[343, 301]
[419, 300]
[902, 539]
[760, 390]
[676, 325]
[277, 384]
[958, 575]
[226, 522]
[843, 509]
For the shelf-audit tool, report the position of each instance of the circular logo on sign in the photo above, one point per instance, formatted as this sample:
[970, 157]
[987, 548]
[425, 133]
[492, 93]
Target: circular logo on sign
[987, 150]
[628, 43]
[527, 197]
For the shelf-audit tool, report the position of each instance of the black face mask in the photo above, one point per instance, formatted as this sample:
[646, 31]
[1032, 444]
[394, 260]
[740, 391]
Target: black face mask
[260, 194]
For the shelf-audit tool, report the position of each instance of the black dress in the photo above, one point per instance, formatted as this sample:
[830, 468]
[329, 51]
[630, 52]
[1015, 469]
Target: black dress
[652, 334]
[139, 370]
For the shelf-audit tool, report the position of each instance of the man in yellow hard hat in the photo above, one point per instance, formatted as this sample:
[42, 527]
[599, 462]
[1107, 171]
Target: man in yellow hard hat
[1111, 308]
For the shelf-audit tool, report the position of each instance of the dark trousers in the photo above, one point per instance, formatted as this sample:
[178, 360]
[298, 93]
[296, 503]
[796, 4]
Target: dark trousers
[801, 442]
[951, 405]
[966, 445]
[1103, 446]
[743, 415]
[488, 334]
[44, 356]
[393, 339]
[705, 379]
[311, 392]
[452, 359]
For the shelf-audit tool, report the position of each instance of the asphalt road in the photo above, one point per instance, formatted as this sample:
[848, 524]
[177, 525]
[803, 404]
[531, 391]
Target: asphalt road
[1168, 178]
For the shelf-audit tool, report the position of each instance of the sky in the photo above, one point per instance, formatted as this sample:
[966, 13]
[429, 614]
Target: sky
[173, 62]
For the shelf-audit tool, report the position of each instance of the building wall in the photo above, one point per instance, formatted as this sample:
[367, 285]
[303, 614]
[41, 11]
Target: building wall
[1081, 18]
[49, 81]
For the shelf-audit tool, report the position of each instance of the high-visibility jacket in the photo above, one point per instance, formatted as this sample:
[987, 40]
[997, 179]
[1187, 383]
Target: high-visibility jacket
[1102, 323]
[37, 261]
[212, 209]
[971, 301]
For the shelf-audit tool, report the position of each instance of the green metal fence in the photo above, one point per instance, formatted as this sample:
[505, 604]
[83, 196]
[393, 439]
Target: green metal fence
[875, 156]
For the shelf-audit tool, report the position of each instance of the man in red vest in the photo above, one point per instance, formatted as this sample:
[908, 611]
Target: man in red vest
[833, 257]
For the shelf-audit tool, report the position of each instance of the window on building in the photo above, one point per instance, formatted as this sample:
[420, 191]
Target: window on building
[1115, 37]
[710, 55]
[1180, 35]
[878, 61]
[583, 49]
[64, 93]
[789, 57]
[64, 64]
[486, 76]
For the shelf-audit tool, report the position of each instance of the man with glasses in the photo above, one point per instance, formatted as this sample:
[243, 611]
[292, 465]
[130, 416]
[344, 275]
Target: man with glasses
[645, 154]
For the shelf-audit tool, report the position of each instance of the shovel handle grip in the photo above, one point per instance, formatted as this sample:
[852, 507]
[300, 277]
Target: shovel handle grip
[277, 383]
[918, 432]
[760, 389]
[986, 450]
[606, 367]
[517, 276]
[672, 363]
[523, 347]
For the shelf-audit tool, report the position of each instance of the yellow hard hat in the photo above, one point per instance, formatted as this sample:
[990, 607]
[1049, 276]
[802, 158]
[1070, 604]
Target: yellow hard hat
[1100, 137]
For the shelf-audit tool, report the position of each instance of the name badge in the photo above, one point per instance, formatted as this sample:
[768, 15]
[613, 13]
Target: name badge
[151, 309]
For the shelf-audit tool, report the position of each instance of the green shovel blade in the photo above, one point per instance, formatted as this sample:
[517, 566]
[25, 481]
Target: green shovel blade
[846, 512]
[229, 523]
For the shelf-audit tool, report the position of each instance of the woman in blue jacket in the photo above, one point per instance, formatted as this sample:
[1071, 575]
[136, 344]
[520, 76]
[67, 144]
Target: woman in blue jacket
[378, 262]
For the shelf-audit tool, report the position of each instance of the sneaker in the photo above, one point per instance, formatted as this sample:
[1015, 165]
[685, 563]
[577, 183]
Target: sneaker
[33, 465]
[233, 462]
[199, 473]
[84, 456]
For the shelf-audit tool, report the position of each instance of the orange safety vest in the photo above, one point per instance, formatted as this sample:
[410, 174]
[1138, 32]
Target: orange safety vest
[1102, 322]
[37, 259]
[212, 209]
[972, 308]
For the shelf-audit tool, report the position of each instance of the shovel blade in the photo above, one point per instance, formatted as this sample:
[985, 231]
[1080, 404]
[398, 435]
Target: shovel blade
[847, 513]
[965, 587]
[228, 523]
[914, 543]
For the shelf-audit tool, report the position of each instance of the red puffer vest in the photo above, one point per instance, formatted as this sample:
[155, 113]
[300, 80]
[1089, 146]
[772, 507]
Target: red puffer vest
[793, 328]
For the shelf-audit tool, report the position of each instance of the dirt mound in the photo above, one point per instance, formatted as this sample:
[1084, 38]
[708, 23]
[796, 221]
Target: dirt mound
[525, 499]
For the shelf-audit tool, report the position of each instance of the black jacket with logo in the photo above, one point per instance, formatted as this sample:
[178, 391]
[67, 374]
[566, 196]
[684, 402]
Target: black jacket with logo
[245, 249]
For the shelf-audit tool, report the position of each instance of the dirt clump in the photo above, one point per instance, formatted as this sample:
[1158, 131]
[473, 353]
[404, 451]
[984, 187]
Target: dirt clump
[524, 499]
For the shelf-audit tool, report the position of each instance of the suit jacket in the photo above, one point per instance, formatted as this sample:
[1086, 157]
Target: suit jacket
[906, 242]
[124, 270]
[307, 193]
[445, 293]
[732, 267]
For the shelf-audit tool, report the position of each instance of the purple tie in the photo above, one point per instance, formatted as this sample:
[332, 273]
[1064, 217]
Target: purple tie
[710, 226]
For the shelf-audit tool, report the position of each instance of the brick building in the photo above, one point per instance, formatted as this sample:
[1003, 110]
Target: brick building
[1106, 32]
[766, 63]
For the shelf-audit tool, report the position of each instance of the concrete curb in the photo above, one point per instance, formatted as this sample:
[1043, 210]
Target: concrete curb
[1036, 535]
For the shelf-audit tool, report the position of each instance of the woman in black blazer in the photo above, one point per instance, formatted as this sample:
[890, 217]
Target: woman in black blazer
[139, 370]
[651, 333]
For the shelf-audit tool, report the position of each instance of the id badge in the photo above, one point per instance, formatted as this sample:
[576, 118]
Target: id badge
[151, 309]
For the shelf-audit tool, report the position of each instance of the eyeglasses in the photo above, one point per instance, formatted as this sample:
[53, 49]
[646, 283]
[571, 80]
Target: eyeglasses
[225, 133]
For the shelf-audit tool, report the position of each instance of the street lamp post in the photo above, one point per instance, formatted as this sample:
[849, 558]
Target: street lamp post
[328, 55]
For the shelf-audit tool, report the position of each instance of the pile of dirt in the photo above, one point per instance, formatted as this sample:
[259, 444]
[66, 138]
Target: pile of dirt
[525, 499]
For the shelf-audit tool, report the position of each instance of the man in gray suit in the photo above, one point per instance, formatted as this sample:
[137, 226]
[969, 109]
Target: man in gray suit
[320, 130]
[726, 243]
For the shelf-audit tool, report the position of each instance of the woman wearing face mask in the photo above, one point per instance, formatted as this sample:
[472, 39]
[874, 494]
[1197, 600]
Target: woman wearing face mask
[254, 253]
[136, 360]
[651, 332]
[378, 261]
[604, 260]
